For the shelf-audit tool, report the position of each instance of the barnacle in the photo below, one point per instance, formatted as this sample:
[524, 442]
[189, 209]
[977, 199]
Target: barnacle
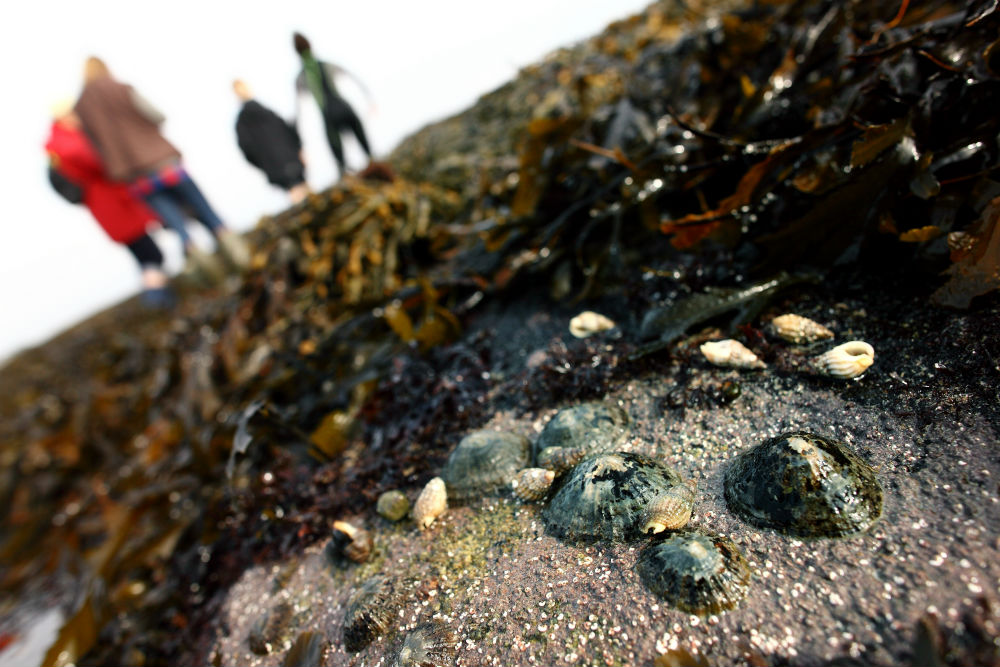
[483, 462]
[432, 644]
[730, 353]
[695, 571]
[532, 484]
[595, 427]
[797, 329]
[804, 484]
[368, 613]
[846, 361]
[607, 497]
[431, 503]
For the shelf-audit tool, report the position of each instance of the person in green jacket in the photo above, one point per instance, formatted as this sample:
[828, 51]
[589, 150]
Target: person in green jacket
[318, 78]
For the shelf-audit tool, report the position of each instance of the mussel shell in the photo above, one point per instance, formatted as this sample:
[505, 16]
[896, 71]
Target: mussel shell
[805, 485]
[607, 496]
[484, 462]
[432, 644]
[695, 571]
[596, 427]
[368, 613]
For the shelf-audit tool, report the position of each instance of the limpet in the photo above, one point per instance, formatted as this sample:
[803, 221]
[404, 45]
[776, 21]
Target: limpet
[846, 361]
[484, 462]
[431, 503]
[596, 427]
[368, 613]
[797, 329]
[532, 484]
[432, 644]
[805, 485]
[608, 496]
[695, 571]
[588, 323]
[731, 353]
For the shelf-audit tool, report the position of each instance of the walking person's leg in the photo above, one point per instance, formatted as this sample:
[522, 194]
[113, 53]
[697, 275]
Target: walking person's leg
[354, 123]
[233, 248]
[154, 278]
[170, 214]
[333, 137]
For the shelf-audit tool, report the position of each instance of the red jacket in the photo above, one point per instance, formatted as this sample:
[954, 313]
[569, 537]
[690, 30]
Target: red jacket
[120, 214]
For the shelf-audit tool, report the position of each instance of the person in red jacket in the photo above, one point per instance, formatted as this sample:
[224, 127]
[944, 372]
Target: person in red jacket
[76, 172]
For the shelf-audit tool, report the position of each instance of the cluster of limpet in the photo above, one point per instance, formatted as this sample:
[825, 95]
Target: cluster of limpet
[484, 462]
[804, 485]
[588, 428]
[695, 571]
[369, 611]
[432, 644]
[609, 496]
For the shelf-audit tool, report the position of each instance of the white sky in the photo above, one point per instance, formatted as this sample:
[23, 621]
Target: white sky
[421, 61]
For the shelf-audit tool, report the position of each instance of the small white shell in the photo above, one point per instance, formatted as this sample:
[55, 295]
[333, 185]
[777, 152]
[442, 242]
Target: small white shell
[799, 330]
[846, 361]
[588, 323]
[730, 353]
[532, 484]
[431, 503]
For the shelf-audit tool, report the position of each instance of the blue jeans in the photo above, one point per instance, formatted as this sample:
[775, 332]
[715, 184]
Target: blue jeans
[171, 202]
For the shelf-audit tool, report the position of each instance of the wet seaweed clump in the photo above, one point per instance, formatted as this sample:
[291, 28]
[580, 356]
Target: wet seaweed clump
[804, 485]
[368, 613]
[484, 462]
[695, 571]
[609, 497]
[594, 428]
[431, 644]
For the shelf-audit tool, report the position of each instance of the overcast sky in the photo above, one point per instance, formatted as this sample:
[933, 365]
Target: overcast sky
[421, 61]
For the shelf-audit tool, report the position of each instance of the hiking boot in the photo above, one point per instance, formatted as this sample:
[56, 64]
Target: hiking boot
[203, 269]
[234, 250]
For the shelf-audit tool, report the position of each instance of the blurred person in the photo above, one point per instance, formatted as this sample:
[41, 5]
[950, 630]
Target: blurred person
[76, 172]
[125, 129]
[318, 78]
[271, 144]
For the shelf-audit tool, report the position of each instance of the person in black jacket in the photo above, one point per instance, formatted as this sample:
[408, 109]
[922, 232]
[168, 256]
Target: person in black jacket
[270, 144]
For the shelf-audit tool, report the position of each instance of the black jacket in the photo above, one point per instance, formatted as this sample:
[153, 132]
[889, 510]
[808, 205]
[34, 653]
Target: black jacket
[270, 144]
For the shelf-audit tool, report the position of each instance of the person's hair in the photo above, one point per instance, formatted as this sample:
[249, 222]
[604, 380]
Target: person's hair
[301, 43]
[94, 68]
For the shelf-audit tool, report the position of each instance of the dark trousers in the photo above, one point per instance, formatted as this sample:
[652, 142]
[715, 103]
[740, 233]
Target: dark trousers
[169, 204]
[338, 116]
[146, 252]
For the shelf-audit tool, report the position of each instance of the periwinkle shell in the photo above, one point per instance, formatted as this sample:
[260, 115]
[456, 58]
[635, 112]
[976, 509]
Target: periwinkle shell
[695, 571]
[368, 613]
[595, 427]
[432, 644]
[804, 485]
[607, 497]
[484, 462]
[392, 505]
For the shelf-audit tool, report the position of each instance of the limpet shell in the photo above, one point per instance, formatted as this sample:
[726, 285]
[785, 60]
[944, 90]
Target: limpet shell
[392, 505]
[431, 503]
[695, 571]
[804, 485]
[432, 644]
[368, 613]
[595, 427]
[607, 497]
[731, 353]
[588, 323]
[797, 329]
[846, 361]
[670, 510]
[307, 651]
[560, 459]
[484, 462]
[532, 484]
